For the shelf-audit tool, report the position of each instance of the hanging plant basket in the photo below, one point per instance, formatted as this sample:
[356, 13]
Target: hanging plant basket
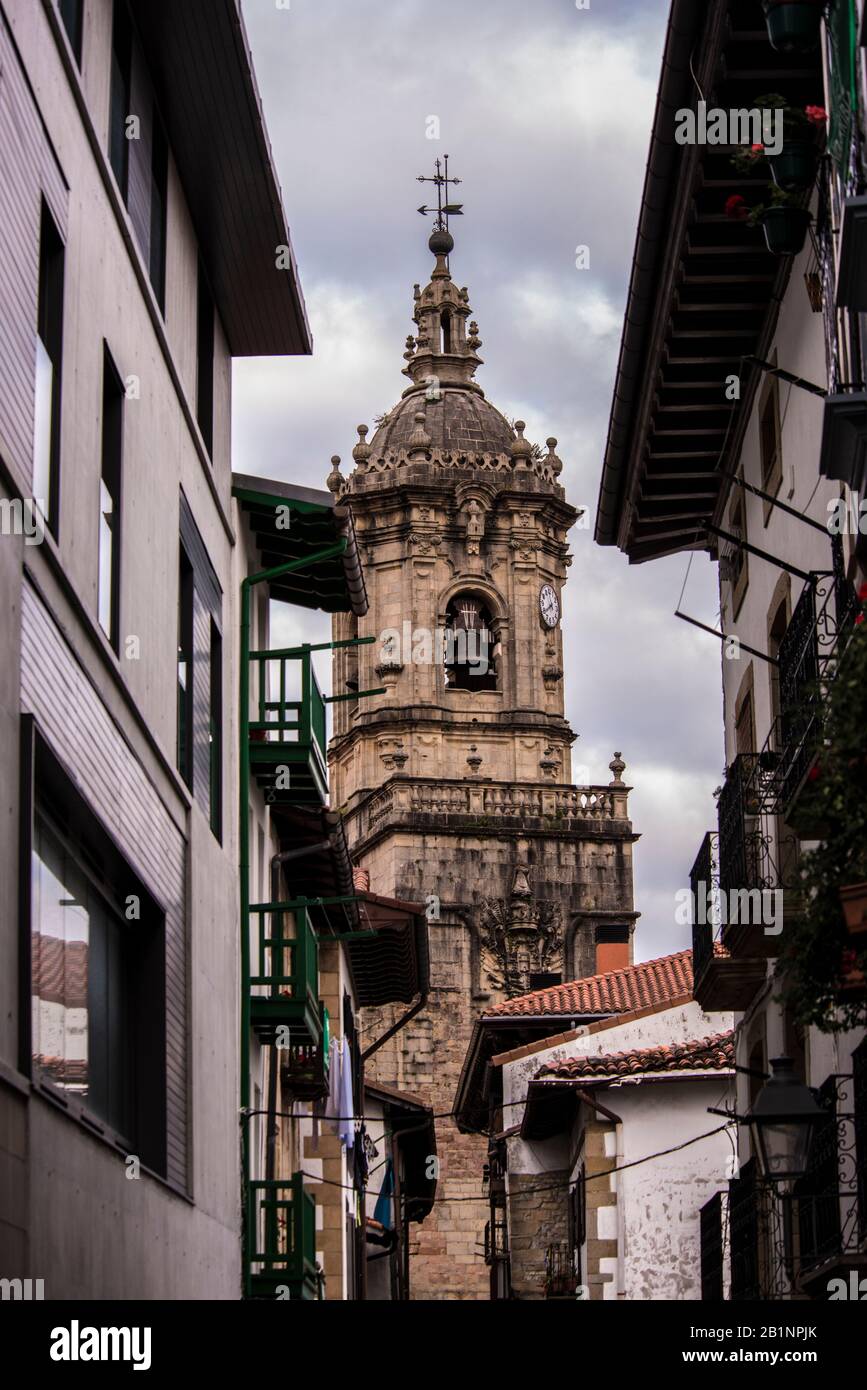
[793, 25]
[854, 902]
[785, 229]
[795, 166]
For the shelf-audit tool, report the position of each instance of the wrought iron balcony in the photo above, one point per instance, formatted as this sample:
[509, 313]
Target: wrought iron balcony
[287, 738]
[284, 981]
[282, 1239]
[820, 627]
[720, 981]
[561, 1271]
[712, 1249]
[758, 860]
[830, 1218]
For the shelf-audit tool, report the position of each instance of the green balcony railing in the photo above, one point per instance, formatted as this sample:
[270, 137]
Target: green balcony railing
[284, 981]
[282, 1239]
[288, 735]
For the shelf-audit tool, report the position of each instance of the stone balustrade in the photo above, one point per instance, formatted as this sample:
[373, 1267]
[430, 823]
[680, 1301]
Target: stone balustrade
[404, 798]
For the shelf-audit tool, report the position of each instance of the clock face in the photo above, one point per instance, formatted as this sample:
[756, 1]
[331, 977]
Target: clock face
[549, 606]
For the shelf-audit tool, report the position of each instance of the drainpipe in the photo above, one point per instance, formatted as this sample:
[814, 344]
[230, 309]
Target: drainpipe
[247, 584]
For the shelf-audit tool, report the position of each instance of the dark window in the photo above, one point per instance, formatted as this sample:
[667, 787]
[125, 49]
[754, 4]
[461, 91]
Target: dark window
[159, 195]
[49, 355]
[121, 79]
[97, 973]
[445, 320]
[745, 738]
[769, 438]
[71, 12]
[215, 731]
[469, 645]
[109, 500]
[185, 668]
[205, 362]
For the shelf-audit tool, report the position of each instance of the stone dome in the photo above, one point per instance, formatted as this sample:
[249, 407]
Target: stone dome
[461, 421]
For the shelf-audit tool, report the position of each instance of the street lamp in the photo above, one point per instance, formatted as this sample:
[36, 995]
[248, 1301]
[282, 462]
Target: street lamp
[783, 1121]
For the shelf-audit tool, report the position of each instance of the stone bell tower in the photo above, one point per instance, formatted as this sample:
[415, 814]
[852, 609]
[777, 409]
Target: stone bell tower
[456, 783]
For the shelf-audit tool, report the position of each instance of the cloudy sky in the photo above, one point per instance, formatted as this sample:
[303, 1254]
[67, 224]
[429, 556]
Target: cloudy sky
[545, 112]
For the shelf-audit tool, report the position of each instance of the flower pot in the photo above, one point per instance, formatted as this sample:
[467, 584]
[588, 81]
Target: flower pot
[785, 230]
[853, 900]
[795, 166]
[793, 25]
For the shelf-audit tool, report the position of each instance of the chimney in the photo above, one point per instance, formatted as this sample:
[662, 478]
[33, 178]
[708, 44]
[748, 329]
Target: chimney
[361, 880]
[612, 948]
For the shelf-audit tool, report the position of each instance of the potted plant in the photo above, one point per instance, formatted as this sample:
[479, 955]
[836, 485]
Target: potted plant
[794, 167]
[782, 219]
[823, 964]
[793, 25]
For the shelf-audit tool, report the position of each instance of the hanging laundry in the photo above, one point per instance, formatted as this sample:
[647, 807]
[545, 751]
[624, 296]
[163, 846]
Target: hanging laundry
[346, 1127]
[382, 1210]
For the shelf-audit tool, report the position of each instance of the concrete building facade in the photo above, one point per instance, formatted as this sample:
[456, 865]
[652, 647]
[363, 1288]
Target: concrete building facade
[123, 300]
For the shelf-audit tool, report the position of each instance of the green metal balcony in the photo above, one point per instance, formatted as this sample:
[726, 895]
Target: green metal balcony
[287, 737]
[284, 990]
[281, 1224]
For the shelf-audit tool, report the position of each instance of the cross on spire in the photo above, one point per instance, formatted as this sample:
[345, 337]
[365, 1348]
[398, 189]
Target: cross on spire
[444, 210]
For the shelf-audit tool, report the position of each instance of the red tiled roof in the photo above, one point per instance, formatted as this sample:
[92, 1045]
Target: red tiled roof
[614, 992]
[716, 1053]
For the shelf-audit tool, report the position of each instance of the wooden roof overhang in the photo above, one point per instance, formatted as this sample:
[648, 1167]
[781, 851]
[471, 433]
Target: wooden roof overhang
[704, 291]
[289, 522]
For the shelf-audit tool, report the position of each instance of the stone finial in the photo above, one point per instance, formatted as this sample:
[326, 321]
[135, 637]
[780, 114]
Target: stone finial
[617, 766]
[474, 341]
[555, 464]
[419, 441]
[474, 759]
[521, 450]
[361, 452]
[334, 481]
[410, 348]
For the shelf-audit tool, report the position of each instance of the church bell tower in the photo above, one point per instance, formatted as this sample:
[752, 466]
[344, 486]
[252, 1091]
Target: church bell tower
[456, 783]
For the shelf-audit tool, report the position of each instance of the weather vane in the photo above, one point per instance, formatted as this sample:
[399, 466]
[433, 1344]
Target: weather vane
[444, 210]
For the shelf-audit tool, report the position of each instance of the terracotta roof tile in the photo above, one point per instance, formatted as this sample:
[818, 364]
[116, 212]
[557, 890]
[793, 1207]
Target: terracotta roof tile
[614, 992]
[699, 1054]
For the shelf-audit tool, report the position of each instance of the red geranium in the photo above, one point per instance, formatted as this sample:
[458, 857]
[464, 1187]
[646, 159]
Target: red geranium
[736, 207]
[816, 115]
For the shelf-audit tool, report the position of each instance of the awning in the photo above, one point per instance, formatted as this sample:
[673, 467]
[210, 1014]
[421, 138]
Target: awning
[390, 961]
[288, 522]
[199, 60]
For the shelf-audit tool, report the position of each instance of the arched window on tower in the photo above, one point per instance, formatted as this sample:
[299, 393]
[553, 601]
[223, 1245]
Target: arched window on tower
[446, 325]
[469, 656]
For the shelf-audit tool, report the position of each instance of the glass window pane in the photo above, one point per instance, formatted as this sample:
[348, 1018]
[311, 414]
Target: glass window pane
[106, 569]
[42, 429]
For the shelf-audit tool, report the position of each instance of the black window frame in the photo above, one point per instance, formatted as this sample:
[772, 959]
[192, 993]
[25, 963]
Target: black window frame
[186, 656]
[111, 477]
[205, 364]
[49, 331]
[215, 730]
[159, 210]
[72, 17]
[120, 99]
[49, 792]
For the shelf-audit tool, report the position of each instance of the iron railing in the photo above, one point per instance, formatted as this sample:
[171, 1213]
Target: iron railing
[290, 707]
[704, 886]
[282, 1235]
[712, 1247]
[561, 1271]
[815, 638]
[284, 977]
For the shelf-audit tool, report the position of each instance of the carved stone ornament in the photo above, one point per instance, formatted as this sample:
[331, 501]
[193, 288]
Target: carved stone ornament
[519, 937]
